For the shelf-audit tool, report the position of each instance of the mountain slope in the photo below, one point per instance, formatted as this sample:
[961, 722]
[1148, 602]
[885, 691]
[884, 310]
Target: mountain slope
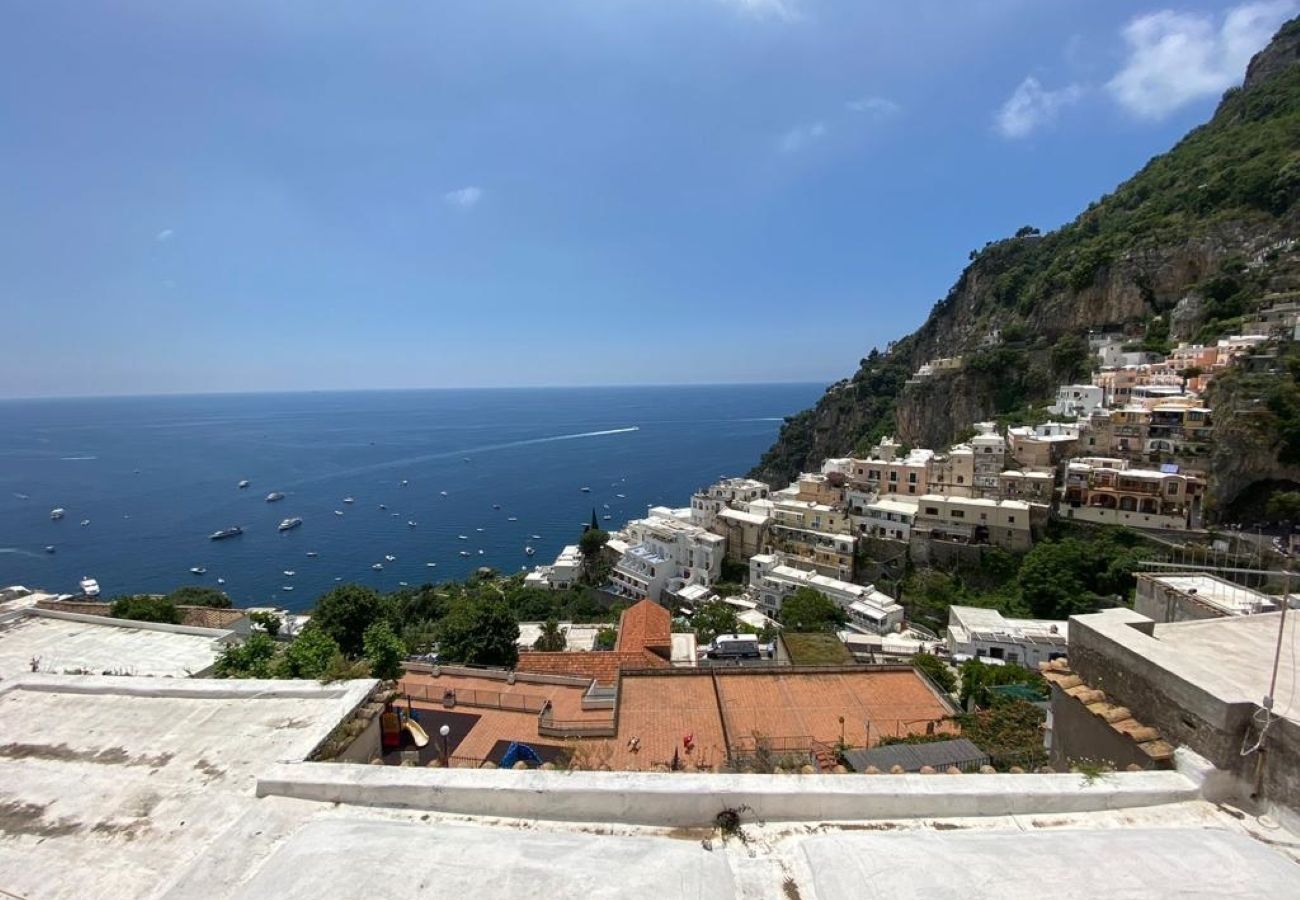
[1182, 250]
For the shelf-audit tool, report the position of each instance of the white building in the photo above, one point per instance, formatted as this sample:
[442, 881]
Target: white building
[664, 553]
[986, 634]
[559, 575]
[771, 581]
[729, 493]
[990, 456]
[1078, 400]
[889, 518]
[1190, 596]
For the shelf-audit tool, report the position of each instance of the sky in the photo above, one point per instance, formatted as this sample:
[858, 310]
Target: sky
[299, 195]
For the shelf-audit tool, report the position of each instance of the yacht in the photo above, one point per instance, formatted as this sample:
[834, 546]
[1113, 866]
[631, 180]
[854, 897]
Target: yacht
[338, 512]
[463, 537]
[221, 581]
[512, 519]
[243, 484]
[479, 530]
[198, 570]
[412, 523]
[56, 513]
[85, 522]
[389, 557]
[586, 490]
[443, 493]
[289, 573]
[349, 500]
[89, 587]
[313, 554]
[382, 506]
[464, 553]
[378, 567]
[232, 531]
[405, 482]
[431, 565]
[480, 553]
[49, 548]
[287, 587]
[607, 518]
[621, 496]
[536, 537]
[274, 496]
[290, 523]
[401, 584]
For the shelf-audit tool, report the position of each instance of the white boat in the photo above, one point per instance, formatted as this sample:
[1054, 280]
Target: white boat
[378, 567]
[412, 523]
[221, 581]
[607, 518]
[289, 573]
[513, 519]
[586, 490]
[443, 493]
[349, 500]
[274, 496]
[479, 530]
[463, 537]
[480, 553]
[313, 554]
[338, 512]
[287, 587]
[496, 505]
[89, 587]
[389, 557]
[536, 537]
[49, 548]
[396, 515]
[431, 565]
[405, 482]
[197, 570]
[464, 553]
[382, 506]
[621, 496]
[290, 523]
[56, 513]
[243, 484]
[85, 522]
[529, 550]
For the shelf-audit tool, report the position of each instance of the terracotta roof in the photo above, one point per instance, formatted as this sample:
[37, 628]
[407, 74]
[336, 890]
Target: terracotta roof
[646, 626]
[1118, 717]
[599, 665]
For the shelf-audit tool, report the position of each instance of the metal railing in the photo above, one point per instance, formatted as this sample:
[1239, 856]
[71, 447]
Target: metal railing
[549, 726]
[525, 703]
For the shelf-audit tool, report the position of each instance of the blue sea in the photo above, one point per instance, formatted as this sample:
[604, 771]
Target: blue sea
[155, 476]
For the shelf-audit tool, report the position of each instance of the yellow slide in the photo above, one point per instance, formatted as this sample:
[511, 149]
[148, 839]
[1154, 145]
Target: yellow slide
[416, 732]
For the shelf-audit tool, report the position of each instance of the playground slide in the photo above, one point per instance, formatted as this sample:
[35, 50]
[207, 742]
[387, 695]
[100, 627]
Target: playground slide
[416, 732]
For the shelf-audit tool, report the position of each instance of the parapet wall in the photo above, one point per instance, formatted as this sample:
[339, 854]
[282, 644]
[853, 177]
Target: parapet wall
[685, 800]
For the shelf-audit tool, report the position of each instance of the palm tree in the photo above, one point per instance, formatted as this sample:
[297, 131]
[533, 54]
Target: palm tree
[553, 638]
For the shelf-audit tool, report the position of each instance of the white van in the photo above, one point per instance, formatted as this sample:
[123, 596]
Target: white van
[734, 646]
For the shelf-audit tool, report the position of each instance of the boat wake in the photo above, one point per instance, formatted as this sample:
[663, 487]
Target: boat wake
[467, 452]
[77, 458]
[19, 551]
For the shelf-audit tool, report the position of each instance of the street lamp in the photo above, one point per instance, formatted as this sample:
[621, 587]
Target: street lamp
[444, 731]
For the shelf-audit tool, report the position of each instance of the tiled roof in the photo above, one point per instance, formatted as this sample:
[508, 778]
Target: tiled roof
[1119, 718]
[646, 626]
[599, 665]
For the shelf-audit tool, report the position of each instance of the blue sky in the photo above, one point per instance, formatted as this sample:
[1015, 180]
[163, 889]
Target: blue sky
[238, 195]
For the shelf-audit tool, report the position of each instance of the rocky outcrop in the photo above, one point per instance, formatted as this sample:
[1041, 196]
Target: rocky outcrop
[1281, 53]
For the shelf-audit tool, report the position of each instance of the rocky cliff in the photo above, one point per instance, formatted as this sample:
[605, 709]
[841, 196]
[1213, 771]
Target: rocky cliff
[1185, 249]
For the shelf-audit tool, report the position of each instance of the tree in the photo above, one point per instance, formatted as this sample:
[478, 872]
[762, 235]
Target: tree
[251, 659]
[808, 610]
[384, 651]
[938, 671]
[269, 621]
[594, 567]
[977, 678]
[145, 608]
[712, 619]
[479, 631]
[309, 655]
[1070, 357]
[199, 595]
[1284, 506]
[346, 612]
[606, 639]
[552, 639]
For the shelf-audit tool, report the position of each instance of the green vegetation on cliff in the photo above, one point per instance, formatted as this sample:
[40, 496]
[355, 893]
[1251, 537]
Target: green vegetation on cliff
[1208, 218]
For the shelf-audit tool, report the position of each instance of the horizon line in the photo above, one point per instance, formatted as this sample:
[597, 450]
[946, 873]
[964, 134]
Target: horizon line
[394, 390]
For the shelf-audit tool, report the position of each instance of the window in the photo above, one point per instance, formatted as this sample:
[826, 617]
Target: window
[911, 489]
[893, 476]
[961, 479]
[996, 652]
[1011, 520]
[932, 510]
[958, 514]
[912, 478]
[984, 517]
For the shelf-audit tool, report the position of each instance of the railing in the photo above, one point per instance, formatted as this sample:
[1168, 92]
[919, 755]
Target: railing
[526, 703]
[548, 726]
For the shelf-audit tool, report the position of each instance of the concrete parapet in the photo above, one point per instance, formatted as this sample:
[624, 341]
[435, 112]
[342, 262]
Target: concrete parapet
[684, 799]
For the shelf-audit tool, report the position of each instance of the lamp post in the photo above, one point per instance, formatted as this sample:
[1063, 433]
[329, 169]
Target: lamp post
[443, 732]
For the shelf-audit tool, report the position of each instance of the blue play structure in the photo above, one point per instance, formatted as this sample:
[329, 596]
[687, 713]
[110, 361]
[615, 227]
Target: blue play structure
[517, 752]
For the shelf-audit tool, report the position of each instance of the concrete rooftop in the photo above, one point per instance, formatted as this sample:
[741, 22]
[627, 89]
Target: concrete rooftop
[63, 644]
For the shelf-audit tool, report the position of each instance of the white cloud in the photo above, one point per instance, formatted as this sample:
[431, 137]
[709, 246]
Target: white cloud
[1175, 58]
[1032, 106]
[785, 10]
[876, 106]
[164, 236]
[464, 198]
[801, 136]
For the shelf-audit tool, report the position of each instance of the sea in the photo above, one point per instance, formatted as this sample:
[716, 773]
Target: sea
[433, 474]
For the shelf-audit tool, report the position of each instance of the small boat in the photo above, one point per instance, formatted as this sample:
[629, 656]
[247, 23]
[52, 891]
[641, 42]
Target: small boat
[313, 554]
[431, 565]
[198, 570]
[378, 567]
[49, 548]
[480, 553]
[465, 459]
[513, 519]
[56, 513]
[464, 553]
[290, 523]
[607, 518]
[382, 506]
[232, 531]
[442, 493]
[405, 482]
[463, 537]
[412, 523]
[289, 573]
[529, 551]
[621, 496]
[586, 490]
[479, 530]
[401, 584]
[349, 500]
[85, 522]
[605, 505]
[396, 515]
[496, 505]
[338, 512]
[221, 581]
[338, 577]
[389, 557]
[274, 496]
[287, 587]
[243, 484]
[536, 537]
[89, 586]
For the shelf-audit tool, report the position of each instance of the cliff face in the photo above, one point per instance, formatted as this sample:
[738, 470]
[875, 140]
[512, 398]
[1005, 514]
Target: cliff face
[1183, 250]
